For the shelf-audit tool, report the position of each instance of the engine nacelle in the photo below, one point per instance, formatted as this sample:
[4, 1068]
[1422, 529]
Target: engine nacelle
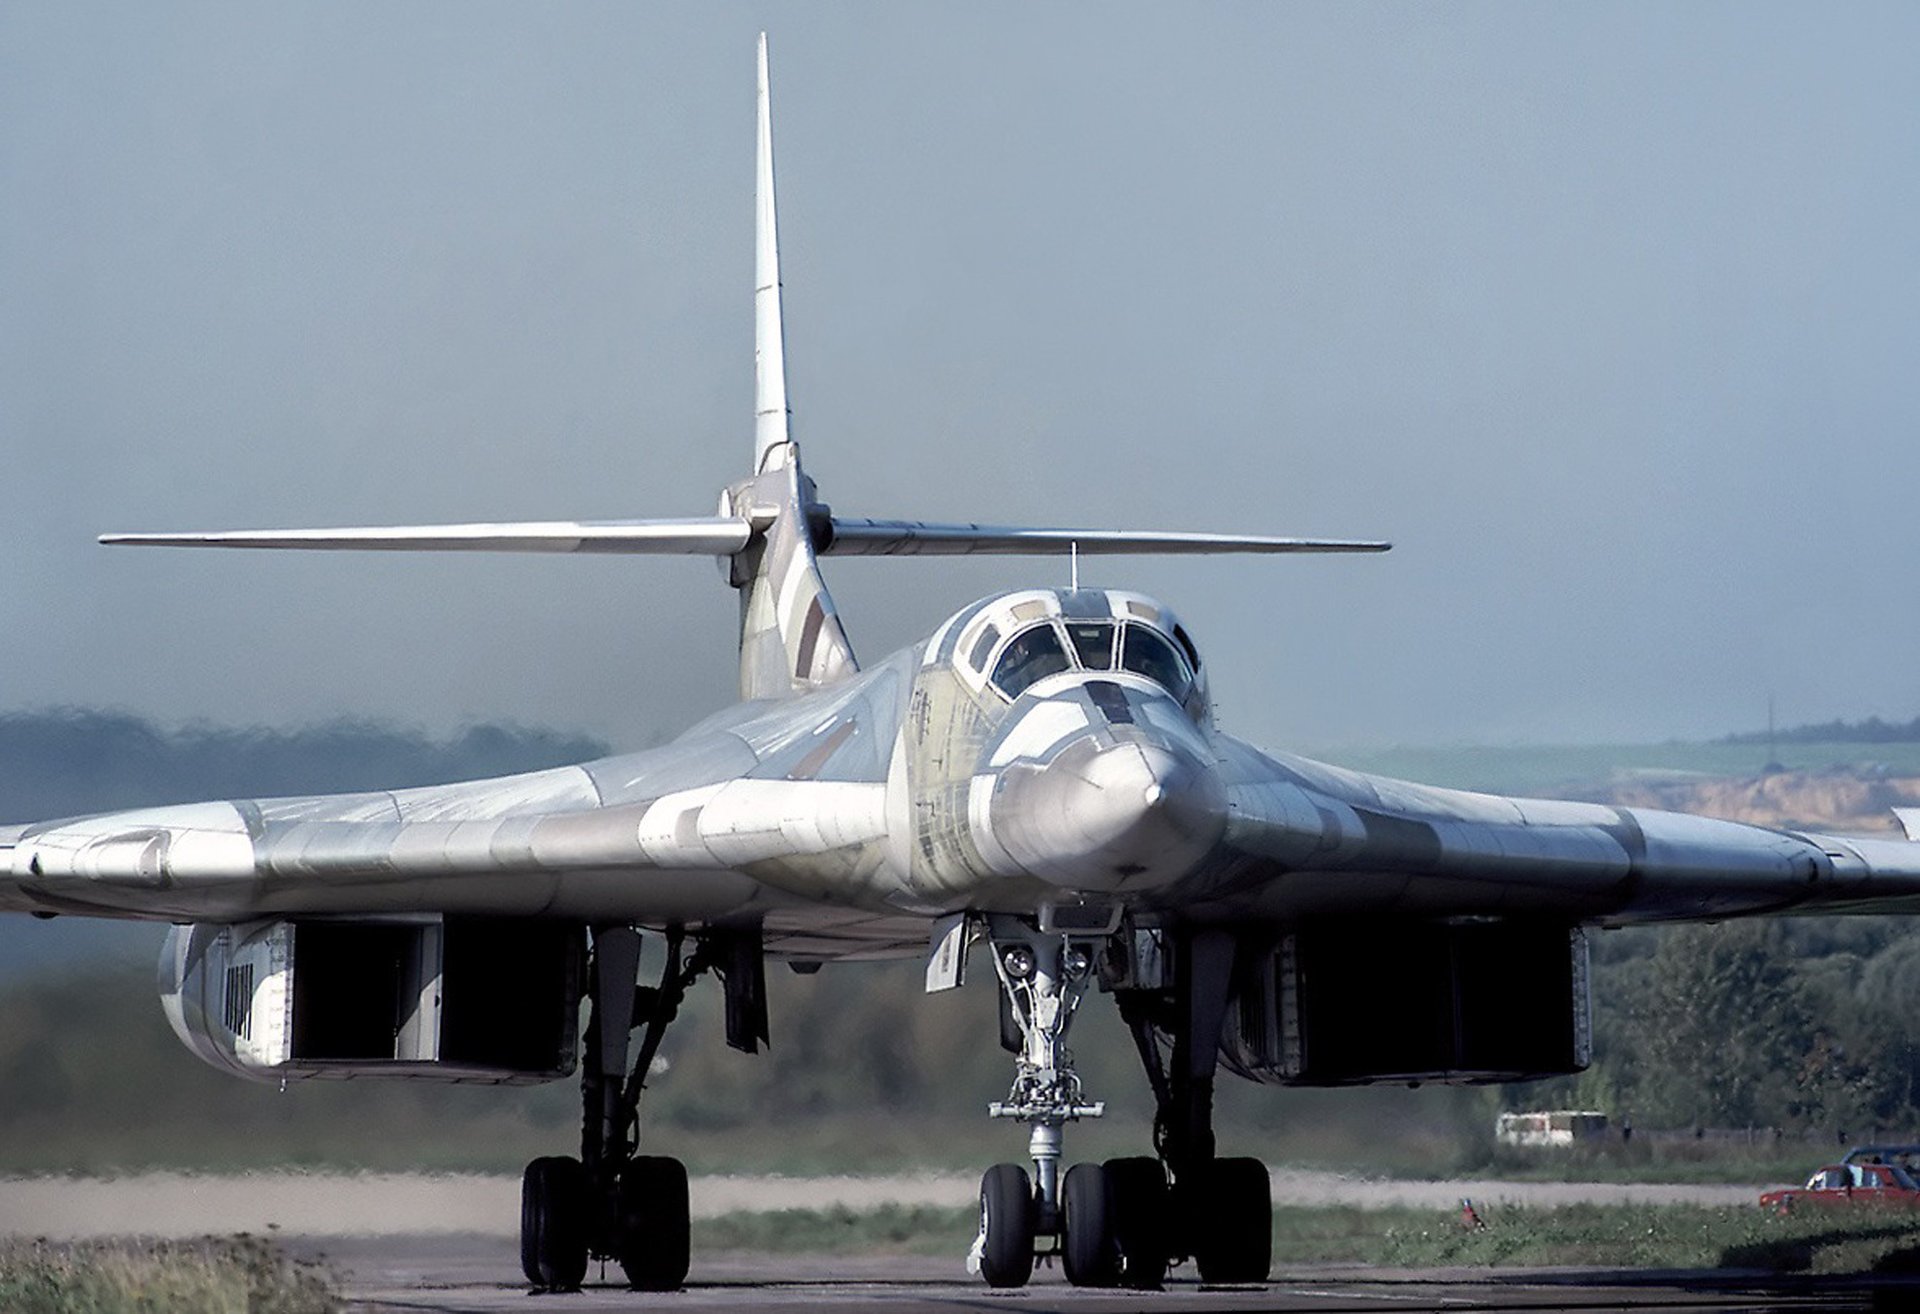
[1353, 1002]
[454, 999]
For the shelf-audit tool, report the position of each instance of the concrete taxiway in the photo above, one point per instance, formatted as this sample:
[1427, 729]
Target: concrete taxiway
[410, 1242]
[375, 1204]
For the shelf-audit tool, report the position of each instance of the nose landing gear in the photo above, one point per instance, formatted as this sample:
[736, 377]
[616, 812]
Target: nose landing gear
[1122, 1222]
[1043, 978]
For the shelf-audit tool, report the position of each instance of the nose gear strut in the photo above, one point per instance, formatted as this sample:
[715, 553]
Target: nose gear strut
[1121, 1222]
[1043, 978]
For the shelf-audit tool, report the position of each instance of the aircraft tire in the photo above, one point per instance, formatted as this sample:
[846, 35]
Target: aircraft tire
[1139, 1215]
[553, 1223]
[1087, 1249]
[1006, 1226]
[1234, 1242]
[655, 1247]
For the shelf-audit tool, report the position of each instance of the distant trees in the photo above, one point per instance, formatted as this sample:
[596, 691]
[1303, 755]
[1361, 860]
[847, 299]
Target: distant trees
[1873, 730]
[64, 762]
[1723, 1036]
[1760, 1023]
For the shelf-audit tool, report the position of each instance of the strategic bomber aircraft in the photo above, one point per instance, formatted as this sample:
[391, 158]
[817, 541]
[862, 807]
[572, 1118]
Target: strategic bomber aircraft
[1042, 777]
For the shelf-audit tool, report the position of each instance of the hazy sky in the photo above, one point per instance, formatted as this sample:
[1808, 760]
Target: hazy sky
[1605, 315]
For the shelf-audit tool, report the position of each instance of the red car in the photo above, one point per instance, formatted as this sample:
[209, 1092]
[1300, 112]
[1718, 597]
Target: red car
[1849, 1184]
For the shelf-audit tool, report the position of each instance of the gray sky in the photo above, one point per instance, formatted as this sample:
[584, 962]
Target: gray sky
[1604, 314]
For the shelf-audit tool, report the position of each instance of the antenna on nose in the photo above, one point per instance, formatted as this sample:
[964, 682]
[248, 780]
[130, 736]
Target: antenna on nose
[1074, 574]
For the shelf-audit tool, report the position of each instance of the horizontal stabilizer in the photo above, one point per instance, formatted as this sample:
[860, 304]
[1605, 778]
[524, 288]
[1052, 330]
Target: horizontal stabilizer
[723, 536]
[708, 536]
[914, 537]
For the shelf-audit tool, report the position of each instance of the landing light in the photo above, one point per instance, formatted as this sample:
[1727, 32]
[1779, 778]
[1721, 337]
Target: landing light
[1018, 961]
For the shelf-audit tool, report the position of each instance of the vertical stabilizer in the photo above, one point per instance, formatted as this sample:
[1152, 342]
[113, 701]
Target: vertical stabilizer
[771, 528]
[769, 344]
[790, 634]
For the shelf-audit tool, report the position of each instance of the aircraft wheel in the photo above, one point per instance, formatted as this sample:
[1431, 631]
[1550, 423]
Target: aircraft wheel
[553, 1223]
[1138, 1214]
[1234, 1242]
[654, 1235]
[1087, 1251]
[1006, 1226]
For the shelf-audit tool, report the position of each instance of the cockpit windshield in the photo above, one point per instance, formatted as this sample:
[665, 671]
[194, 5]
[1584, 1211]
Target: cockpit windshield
[1032, 655]
[1037, 652]
[1144, 652]
[1092, 644]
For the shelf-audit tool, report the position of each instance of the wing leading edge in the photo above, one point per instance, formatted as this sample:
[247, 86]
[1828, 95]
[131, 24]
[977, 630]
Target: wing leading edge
[1308, 839]
[736, 820]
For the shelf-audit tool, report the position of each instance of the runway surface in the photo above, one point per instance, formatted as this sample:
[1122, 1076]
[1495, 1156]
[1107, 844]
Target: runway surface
[375, 1204]
[454, 1275]
[404, 1242]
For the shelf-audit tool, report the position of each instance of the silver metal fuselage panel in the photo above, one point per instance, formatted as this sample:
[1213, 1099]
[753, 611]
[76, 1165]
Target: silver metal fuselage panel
[845, 819]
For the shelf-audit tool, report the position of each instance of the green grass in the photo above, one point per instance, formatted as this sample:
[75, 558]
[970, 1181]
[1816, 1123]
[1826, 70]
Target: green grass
[1597, 1236]
[1785, 1163]
[887, 1230]
[1615, 1236]
[215, 1275]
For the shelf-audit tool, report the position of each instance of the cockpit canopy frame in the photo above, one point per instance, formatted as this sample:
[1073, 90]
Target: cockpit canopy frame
[1004, 645]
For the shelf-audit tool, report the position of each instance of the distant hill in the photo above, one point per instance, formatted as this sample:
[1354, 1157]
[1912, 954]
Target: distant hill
[1870, 731]
[68, 762]
[1834, 799]
[1577, 770]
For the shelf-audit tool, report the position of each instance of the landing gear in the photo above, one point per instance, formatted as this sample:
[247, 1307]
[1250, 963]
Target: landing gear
[1007, 1226]
[1087, 1249]
[611, 1203]
[652, 1235]
[1122, 1222]
[1139, 1213]
[1218, 1211]
[1043, 977]
[553, 1225]
[1234, 1239]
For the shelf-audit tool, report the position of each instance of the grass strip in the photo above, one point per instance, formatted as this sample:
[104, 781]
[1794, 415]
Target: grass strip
[1600, 1236]
[884, 1230]
[213, 1275]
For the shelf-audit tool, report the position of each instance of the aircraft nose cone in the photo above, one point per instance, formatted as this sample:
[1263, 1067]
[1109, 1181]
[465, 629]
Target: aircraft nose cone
[1110, 817]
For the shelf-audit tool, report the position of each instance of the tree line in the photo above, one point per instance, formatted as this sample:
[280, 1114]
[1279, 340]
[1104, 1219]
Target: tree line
[1873, 730]
[1795, 1023]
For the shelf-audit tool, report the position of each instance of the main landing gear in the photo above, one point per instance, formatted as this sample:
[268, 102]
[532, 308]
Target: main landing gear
[1121, 1222]
[612, 1203]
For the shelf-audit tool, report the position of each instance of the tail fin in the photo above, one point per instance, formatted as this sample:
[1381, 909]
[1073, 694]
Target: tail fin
[769, 337]
[770, 528]
[790, 634]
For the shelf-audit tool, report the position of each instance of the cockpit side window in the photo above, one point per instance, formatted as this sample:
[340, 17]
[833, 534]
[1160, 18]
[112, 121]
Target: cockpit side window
[1186, 645]
[1093, 644]
[1031, 655]
[1144, 652]
[983, 647]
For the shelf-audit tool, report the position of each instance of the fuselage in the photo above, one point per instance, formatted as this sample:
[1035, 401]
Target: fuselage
[1045, 743]
[1049, 750]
